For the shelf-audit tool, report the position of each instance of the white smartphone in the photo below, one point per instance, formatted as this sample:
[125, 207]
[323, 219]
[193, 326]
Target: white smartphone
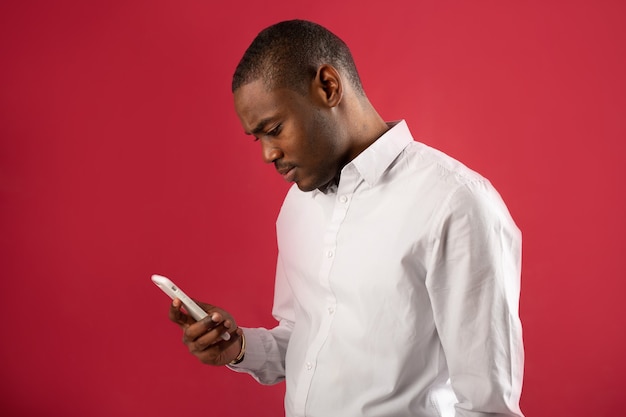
[174, 291]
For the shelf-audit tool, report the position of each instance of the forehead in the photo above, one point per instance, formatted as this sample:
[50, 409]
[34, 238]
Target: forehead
[255, 104]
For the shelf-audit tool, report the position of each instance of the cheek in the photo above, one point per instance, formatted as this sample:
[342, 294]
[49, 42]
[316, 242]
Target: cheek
[314, 143]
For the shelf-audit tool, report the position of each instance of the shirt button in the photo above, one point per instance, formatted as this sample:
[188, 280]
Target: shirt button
[343, 199]
[309, 366]
[330, 254]
[331, 310]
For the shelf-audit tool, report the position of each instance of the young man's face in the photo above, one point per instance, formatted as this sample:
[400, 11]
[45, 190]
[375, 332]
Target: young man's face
[298, 133]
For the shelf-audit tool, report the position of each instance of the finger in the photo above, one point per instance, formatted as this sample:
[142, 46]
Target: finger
[218, 318]
[216, 354]
[201, 328]
[215, 319]
[177, 315]
[215, 333]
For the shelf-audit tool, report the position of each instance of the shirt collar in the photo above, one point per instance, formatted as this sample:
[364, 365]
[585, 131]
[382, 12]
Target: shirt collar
[374, 161]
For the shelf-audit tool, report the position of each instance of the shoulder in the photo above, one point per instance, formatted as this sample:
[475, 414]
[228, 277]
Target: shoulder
[431, 176]
[454, 189]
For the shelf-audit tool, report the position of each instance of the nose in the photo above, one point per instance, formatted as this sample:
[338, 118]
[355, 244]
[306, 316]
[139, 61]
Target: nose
[270, 152]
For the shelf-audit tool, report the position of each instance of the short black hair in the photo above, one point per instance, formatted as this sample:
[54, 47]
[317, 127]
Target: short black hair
[289, 53]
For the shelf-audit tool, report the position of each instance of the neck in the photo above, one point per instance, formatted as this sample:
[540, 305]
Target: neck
[366, 129]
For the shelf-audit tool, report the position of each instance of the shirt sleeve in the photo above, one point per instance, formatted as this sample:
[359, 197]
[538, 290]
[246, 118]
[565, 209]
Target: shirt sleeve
[474, 282]
[264, 358]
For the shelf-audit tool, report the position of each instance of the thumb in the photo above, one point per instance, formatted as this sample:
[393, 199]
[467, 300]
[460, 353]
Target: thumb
[178, 316]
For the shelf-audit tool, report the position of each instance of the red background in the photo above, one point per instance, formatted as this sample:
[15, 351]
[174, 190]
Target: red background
[121, 156]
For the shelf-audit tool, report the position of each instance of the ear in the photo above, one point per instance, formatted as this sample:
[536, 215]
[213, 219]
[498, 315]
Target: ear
[328, 85]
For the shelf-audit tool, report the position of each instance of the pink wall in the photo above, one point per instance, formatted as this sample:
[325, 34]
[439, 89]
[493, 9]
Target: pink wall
[121, 156]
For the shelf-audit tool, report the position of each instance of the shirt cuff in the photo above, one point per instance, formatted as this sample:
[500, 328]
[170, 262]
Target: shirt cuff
[255, 355]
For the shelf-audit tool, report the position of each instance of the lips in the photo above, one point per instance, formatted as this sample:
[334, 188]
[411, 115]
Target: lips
[287, 172]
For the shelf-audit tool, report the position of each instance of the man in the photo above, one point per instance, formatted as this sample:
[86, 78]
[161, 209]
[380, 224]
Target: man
[397, 280]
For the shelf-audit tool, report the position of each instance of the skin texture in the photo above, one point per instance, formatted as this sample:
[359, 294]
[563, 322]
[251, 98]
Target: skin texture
[203, 339]
[309, 138]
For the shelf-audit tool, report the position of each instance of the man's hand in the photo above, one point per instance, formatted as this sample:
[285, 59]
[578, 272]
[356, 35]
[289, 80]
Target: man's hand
[203, 338]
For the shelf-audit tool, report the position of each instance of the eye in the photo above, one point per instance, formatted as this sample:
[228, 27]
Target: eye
[275, 131]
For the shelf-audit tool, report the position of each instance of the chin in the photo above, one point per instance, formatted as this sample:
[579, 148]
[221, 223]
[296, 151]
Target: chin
[305, 187]
[309, 185]
[313, 185]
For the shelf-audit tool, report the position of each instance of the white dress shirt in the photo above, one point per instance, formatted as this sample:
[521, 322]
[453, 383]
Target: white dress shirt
[396, 292]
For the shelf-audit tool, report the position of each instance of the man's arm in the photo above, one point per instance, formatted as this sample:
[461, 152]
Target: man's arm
[474, 284]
